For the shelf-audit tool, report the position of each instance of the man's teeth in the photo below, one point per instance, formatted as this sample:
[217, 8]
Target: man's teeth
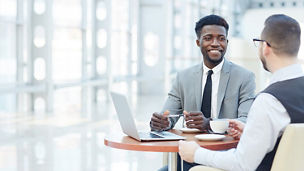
[214, 51]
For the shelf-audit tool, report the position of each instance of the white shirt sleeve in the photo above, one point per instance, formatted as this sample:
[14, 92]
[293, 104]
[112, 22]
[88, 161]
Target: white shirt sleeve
[267, 119]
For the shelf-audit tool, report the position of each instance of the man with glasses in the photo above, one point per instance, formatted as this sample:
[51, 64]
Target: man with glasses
[280, 104]
[215, 88]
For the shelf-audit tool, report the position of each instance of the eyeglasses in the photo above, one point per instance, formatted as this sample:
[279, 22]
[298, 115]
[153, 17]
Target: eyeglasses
[256, 42]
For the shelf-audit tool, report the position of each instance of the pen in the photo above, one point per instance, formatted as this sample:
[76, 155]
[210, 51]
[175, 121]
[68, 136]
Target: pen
[175, 115]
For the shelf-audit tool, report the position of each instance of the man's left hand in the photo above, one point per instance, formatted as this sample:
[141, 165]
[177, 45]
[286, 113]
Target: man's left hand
[187, 150]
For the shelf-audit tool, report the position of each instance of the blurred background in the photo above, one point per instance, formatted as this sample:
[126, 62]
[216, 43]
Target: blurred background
[60, 58]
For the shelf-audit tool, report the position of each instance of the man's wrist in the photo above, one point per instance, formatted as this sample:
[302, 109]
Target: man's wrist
[206, 124]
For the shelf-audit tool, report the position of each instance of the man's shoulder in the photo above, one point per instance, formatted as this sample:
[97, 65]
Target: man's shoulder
[190, 70]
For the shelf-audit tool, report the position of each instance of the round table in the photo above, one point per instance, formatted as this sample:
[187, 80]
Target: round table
[121, 141]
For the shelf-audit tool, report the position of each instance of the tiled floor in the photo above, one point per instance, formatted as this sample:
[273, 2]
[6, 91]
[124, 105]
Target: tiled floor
[73, 142]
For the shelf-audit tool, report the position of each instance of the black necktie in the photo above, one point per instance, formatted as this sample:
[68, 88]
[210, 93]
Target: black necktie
[206, 102]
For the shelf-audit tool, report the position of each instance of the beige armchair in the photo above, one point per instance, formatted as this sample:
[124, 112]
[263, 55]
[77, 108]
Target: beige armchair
[204, 168]
[289, 155]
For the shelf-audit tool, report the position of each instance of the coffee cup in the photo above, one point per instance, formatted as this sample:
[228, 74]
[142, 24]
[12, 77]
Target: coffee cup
[219, 125]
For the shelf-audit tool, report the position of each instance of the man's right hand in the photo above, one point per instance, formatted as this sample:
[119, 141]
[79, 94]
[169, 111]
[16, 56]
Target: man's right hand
[235, 129]
[159, 122]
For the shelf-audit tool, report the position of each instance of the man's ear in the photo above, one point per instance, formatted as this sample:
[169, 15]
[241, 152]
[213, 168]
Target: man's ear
[266, 49]
[197, 42]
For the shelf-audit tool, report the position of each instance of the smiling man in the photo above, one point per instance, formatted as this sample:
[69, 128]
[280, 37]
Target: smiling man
[215, 88]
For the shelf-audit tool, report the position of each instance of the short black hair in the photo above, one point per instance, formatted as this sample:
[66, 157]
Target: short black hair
[210, 20]
[283, 33]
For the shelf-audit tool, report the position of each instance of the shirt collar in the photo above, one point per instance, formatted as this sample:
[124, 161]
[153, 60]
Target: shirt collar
[286, 73]
[215, 70]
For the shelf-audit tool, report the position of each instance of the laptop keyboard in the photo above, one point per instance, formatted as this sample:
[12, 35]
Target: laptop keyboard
[148, 135]
[155, 136]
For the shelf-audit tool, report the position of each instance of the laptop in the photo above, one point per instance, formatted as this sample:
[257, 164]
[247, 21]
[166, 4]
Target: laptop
[128, 125]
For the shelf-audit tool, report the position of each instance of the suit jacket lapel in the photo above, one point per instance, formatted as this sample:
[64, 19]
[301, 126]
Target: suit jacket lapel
[197, 81]
[225, 73]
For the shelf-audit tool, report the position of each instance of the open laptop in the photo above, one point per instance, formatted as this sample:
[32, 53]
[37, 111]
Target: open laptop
[128, 125]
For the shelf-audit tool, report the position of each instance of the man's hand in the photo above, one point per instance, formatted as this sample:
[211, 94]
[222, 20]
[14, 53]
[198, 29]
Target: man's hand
[235, 129]
[159, 121]
[187, 150]
[196, 120]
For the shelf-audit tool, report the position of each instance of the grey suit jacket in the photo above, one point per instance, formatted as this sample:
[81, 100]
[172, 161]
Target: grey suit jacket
[235, 93]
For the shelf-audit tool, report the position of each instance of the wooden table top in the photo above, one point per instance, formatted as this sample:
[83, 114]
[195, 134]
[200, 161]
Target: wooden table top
[127, 143]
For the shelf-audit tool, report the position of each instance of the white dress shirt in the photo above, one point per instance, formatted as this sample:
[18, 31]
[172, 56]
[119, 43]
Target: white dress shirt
[215, 77]
[267, 119]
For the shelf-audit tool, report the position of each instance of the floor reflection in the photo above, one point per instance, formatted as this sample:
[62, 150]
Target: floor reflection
[65, 142]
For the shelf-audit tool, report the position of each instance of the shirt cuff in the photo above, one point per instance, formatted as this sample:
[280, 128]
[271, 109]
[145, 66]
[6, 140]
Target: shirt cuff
[170, 124]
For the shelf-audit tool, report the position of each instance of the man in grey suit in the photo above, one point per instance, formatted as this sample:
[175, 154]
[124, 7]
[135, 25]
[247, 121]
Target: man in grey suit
[215, 88]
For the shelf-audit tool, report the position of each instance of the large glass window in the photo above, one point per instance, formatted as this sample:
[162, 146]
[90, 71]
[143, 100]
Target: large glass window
[67, 53]
[184, 51]
[120, 45]
[8, 8]
[7, 52]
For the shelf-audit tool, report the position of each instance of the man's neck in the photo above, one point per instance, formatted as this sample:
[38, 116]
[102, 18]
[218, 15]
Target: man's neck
[281, 62]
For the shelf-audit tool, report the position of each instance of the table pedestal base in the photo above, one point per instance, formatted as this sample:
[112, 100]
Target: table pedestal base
[172, 161]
